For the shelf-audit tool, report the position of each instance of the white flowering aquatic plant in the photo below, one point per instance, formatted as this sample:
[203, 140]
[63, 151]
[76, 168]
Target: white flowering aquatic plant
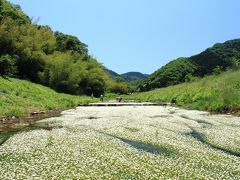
[126, 143]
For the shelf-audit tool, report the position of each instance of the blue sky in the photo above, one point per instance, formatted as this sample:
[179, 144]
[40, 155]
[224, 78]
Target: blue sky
[140, 35]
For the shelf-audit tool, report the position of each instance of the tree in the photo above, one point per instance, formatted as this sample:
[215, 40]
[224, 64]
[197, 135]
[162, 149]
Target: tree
[235, 63]
[117, 87]
[119, 79]
[30, 43]
[70, 43]
[35, 53]
[7, 65]
[13, 11]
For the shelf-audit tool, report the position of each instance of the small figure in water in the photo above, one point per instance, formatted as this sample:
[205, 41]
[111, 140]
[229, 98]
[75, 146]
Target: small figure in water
[101, 98]
[120, 99]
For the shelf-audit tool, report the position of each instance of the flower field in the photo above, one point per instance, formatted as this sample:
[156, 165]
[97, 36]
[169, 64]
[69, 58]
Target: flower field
[126, 143]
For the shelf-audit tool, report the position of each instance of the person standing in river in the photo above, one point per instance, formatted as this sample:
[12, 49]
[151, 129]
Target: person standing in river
[101, 98]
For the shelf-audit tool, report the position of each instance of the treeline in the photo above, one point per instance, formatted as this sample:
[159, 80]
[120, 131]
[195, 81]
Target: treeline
[214, 60]
[60, 61]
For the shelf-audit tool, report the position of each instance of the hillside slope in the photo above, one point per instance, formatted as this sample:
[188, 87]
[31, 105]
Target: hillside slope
[133, 76]
[217, 93]
[21, 97]
[112, 74]
[127, 77]
[54, 59]
[220, 57]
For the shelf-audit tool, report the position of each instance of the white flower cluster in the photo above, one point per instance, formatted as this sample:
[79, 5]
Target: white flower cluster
[126, 143]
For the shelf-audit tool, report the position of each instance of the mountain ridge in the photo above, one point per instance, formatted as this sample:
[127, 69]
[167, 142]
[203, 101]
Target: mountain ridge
[128, 76]
[220, 57]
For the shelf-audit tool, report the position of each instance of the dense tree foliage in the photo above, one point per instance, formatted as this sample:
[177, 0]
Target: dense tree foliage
[133, 76]
[28, 44]
[129, 77]
[118, 87]
[58, 60]
[71, 73]
[7, 65]
[70, 43]
[13, 11]
[213, 60]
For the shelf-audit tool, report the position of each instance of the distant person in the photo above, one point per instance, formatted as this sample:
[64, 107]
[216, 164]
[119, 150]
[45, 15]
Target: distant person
[174, 100]
[120, 99]
[92, 95]
[101, 98]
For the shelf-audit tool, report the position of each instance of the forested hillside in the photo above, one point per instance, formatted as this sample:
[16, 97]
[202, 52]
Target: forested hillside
[60, 61]
[133, 76]
[216, 93]
[214, 60]
[126, 77]
[112, 74]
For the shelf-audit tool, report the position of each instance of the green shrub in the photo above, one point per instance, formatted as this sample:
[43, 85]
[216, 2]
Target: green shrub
[7, 65]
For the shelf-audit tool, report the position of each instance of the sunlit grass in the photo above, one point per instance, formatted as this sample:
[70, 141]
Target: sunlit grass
[20, 97]
[219, 93]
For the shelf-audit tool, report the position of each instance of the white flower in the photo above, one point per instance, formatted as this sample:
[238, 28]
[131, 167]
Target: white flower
[126, 143]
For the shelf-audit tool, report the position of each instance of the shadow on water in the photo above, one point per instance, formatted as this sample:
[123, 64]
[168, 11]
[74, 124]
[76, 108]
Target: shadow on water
[4, 136]
[197, 120]
[201, 138]
[161, 116]
[88, 117]
[146, 147]
[92, 117]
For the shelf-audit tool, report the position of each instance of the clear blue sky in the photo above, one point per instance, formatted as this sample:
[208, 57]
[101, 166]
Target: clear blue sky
[140, 35]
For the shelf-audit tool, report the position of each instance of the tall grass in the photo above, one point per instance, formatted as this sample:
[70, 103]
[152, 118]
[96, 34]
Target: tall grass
[20, 97]
[217, 93]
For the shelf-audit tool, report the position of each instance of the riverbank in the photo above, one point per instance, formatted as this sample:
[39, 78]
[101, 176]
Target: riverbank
[20, 98]
[23, 101]
[216, 94]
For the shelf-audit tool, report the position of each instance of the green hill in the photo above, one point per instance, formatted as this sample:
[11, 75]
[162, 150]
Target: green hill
[220, 57]
[217, 93]
[54, 59]
[127, 77]
[21, 97]
[112, 74]
[133, 76]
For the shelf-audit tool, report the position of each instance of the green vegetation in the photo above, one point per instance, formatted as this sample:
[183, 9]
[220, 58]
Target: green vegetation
[128, 77]
[20, 97]
[214, 60]
[13, 11]
[69, 43]
[133, 76]
[60, 61]
[217, 93]
[111, 73]
[131, 79]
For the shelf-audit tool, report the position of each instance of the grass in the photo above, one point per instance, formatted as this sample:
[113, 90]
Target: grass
[111, 96]
[217, 93]
[20, 97]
